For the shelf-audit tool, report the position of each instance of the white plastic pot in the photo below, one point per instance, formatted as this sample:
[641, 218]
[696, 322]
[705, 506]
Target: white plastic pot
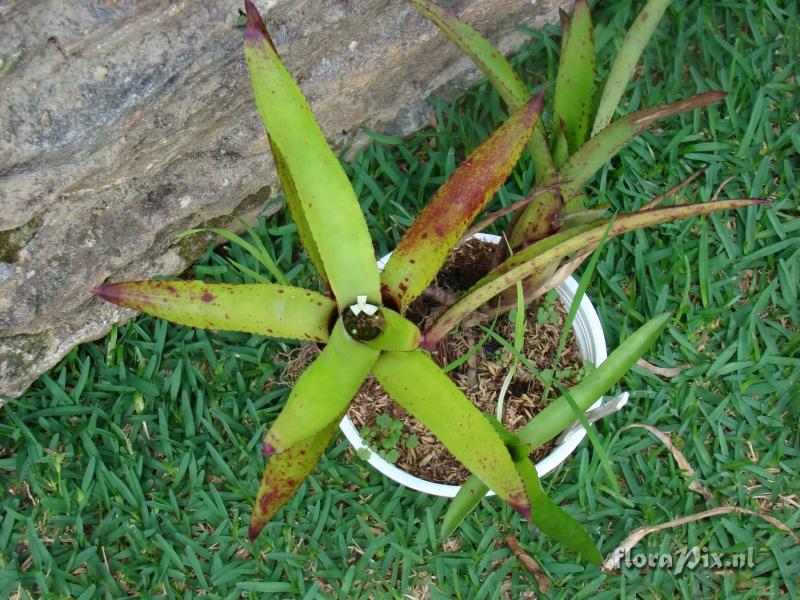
[591, 348]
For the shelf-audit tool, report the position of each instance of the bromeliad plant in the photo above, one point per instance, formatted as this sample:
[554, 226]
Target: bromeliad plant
[360, 320]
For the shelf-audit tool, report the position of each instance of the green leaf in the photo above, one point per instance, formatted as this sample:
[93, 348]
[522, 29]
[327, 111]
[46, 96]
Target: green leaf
[572, 100]
[625, 64]
[425, 246]
[323, 391]
[602, 147]
[468, 497]
[326, 198]
[400, 334]
[559, 415]
[538, 260]
[560, 148]
[259, 253]
[279, 311]
[420, 387]
[487, 58]
[284, 473]
[296, 210]
[552, 520]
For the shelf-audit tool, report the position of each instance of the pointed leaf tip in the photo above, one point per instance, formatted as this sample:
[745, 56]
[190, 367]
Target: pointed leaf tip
[539, 98]
[524, 510]
[252, 533]
[112, 292]
[255, 32]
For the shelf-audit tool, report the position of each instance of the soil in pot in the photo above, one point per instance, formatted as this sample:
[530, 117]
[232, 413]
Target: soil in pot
[480, 378]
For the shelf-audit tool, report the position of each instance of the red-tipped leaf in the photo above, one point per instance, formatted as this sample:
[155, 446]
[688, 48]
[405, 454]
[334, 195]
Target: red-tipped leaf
[280, 311]
[283, 475]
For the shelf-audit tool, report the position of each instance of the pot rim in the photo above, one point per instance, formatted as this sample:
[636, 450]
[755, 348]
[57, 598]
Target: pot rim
[591, 347]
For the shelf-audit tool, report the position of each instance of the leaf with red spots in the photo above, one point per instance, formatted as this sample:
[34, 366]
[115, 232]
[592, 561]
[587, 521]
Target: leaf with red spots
[323, 391]
[324, 194]
[424, 247]
[280, 311]
[284, 473]
[538, 259]
[486, 57]
[414, 381]
[625, 63]
[572, 100]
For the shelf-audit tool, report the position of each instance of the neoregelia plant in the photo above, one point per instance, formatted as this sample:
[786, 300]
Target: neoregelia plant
[360, 318]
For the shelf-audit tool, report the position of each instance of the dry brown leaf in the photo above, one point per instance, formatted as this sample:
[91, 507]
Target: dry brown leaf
[611, 562]
[529, 563]
[688, 471]
[663, 371]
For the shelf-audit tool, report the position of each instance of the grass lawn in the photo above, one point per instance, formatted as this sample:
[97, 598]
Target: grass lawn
[129, 469]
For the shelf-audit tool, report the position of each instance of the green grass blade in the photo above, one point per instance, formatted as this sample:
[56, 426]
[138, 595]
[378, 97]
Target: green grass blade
[326, 197]
[554, 521]
[519, 340]
[469, 353]
[597, 445]
[559, 415]
[582, 165]
[425, 246]
[285, 473]
[323, 391]
[258, 252]
[624, 65]
[279, 311]
[572, 100]
[420, 387]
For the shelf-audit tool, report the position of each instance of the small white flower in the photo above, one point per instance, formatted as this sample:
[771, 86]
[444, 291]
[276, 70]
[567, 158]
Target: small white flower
[361, 305]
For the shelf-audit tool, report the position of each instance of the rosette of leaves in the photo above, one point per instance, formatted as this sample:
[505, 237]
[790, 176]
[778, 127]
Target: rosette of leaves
[359, 317]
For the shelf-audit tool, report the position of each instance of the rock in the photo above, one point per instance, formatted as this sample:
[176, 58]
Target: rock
[123, 123]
